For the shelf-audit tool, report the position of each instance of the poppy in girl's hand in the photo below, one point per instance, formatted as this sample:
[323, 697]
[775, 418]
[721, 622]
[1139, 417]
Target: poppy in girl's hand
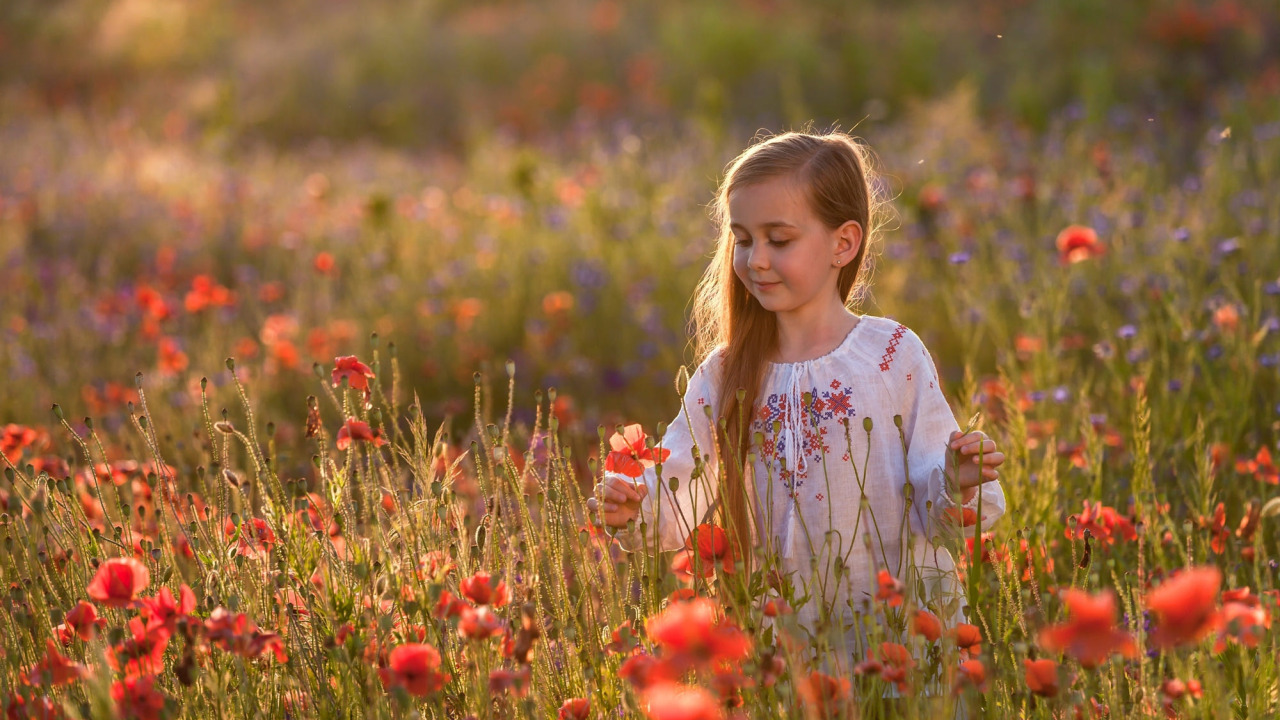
[1090, 635]
[118, 582]
[1185, 606]
[629, 454]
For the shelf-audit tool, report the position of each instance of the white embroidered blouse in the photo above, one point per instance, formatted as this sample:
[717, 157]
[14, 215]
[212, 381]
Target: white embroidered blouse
[826, 486]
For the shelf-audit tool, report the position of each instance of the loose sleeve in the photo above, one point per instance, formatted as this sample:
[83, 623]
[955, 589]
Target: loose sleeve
[667, 516]
[927, 426]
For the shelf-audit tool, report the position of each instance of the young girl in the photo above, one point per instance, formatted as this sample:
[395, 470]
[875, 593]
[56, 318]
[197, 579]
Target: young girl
[845, 438]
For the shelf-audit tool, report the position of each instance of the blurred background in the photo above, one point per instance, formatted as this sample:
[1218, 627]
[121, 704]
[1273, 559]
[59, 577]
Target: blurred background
[477, 182]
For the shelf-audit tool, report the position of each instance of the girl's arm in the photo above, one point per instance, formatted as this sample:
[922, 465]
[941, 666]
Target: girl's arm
[670, 514]
[927, 427]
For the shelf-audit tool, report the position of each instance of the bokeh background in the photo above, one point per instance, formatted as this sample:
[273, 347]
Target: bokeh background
[186, 180]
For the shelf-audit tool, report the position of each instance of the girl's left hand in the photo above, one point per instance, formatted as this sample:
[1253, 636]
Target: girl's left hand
[972, 474]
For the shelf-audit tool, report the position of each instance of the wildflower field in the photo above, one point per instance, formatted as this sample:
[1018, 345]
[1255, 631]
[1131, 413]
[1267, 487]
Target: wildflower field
[309, 431]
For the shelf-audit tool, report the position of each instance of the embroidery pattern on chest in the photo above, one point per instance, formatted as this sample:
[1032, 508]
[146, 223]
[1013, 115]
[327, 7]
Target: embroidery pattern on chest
[825, 408]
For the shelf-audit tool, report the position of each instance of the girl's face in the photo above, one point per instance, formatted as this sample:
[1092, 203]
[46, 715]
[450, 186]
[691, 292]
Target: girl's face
[783, 253]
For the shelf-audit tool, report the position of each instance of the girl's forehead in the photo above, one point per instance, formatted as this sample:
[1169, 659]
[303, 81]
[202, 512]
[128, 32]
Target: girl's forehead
[774, 199]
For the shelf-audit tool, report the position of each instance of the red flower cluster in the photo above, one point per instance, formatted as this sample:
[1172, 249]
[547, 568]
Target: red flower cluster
[691, 636]
[1184, 606]
[629, 453]
[1103, 523]
[1260, 466]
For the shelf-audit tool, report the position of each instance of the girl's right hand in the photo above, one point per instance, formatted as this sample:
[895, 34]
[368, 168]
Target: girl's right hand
[617, 500]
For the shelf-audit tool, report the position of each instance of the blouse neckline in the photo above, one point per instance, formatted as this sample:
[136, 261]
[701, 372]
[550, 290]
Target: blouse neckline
[862, 320]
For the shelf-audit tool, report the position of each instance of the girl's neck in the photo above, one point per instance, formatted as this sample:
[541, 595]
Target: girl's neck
[806, 338]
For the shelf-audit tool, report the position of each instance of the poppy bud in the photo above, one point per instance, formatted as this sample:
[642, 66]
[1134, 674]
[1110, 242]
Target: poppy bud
[224, 427]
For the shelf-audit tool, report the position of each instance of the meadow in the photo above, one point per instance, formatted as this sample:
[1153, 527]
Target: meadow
[308, 431]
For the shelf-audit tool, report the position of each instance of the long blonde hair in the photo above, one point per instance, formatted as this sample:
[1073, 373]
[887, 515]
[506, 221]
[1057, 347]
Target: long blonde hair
[835, 169]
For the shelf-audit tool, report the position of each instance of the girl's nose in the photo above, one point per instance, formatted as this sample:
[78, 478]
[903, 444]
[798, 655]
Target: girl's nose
[758, 259]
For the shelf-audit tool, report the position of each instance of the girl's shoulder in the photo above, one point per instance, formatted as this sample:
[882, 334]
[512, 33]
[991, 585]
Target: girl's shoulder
[892, 348]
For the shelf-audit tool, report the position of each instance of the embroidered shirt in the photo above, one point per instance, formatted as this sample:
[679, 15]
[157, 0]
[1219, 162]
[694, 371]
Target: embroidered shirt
[825, 487]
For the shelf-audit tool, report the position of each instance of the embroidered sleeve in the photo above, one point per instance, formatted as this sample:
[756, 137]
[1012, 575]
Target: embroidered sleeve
[927, 426]
[668, 515]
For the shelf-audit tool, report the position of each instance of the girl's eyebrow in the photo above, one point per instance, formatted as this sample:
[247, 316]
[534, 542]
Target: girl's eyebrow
[766, 226]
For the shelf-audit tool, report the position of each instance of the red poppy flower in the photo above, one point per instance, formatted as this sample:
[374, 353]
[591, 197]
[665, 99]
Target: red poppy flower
[622, 639]
[927, 625]
[515, 682]
[575, 709]
[693, 631]
[1090, 634]
[354, 429]
[1103, 523]
[1217, 527]
[479, 623]
[629, 453]
[256, 537]
[889, 588]
[118, 582]
[356, 373]
[137, 698]
[449, 606]
[823, 693]
[82, 621]
[481, 590]
[673, 701]
[55, 669]
[714, 550]
[1184, 606]
[968, 638]
[414, 667]
[1240, 622]
[1261, 466]
[13, 439]
[774, 607]
[972, 674]
[41, 708]
[1077, 243]
[142, 653]
[1042, 677]
[643, 670]
[896, 664]
[164, 610]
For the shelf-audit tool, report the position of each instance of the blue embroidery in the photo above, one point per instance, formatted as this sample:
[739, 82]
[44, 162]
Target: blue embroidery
[828, 405]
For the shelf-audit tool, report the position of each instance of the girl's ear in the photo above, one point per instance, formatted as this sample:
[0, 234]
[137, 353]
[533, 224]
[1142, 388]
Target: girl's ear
[848, 241]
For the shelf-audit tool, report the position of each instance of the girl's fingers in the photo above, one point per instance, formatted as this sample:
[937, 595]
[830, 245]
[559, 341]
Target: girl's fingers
[992, 459]
[988, 446]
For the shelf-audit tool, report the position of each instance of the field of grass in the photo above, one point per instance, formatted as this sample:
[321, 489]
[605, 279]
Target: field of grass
[308, 430]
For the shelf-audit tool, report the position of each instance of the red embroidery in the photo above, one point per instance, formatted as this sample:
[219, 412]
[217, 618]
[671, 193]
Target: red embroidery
[835, 384]
[820, 497]
[908, 376]
[887, 359]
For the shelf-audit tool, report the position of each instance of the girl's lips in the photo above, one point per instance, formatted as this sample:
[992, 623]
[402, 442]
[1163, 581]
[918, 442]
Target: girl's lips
[767, 286]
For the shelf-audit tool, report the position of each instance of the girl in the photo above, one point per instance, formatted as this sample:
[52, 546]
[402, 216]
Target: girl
[821, 436]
